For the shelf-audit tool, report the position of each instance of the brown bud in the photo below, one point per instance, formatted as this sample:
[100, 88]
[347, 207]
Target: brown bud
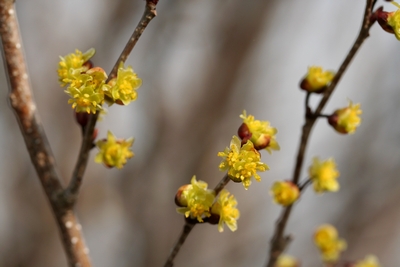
[180, 200]
[333, 121]
[244, 132]
[82, 118]
[213, 219]
[88, 64]
[306, 86]
[382, 18]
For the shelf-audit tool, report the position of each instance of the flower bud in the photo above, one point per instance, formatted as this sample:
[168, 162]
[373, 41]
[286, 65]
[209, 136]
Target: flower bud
[316, 80]
[389, 21]
[180, 199]
[346, 120]
[82, 118]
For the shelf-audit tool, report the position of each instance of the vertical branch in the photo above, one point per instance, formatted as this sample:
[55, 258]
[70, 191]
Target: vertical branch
[71, 193]
[279, 242]
[22, 102]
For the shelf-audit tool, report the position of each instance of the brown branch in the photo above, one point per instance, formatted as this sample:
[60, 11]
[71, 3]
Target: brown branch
[71, 193]
[22, 102]
[279, 242]
[189, 224]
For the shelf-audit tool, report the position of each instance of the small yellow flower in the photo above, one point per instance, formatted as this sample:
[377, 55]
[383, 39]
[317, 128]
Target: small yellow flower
[326, 238]
[369, 261]
[323, 175]
[393, 20]
[198, 198]
[316, 79]
[346, 120]
[225, 207]
[113, 152]
[260, 133]
[71, 65]
[285, 193]
[123, 88]
[242, 163]
[286, 261]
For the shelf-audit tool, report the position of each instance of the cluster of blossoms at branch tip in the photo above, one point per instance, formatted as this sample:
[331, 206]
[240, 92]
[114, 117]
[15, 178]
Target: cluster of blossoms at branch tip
[199, 203]
[260, 133]
[369, 261]
[326, 238]
[389, 21]
[323, 175]
[114, 152]
[286, 261]
[285, 193]
[316, 79]
[347, 119]
[87, 85]
[242, 162]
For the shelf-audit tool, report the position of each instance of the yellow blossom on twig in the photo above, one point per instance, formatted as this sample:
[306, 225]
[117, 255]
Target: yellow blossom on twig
[114, 152]
[198, 200]
[316, 79]
[346, 120]
[71, 65]
[323, 175]
[242, 163]
[225, 207]
[326, 238]
[260, 133]
[369, 261]
[285, 193]
[286, 261]
[122, 89]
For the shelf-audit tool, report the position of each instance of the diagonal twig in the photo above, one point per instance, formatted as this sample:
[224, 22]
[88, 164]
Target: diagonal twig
[279, 241]
[71, 193]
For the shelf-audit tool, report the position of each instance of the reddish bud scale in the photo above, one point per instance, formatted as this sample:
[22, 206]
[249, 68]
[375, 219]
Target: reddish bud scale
[88, 64]
[382, 18]
[244, 132]
[306, 86]
[119, 102]
[213, 219]
[82, 118]
[333, 121]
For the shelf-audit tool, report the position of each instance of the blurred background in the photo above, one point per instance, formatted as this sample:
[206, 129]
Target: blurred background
[203, 63]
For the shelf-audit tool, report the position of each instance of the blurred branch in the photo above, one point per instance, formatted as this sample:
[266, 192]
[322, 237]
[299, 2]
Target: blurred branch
[22, 102]
[278, 241]
[71, 193]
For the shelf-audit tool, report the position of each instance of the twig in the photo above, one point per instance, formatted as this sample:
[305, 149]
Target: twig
[71, 193]
[22, 102]
[187, 228]
[278, 241]
[189, 224]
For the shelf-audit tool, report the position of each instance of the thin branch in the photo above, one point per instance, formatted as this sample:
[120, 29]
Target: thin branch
[71, 193]
[187, 228]
[189, 224]
[22, 102]
[278, 241]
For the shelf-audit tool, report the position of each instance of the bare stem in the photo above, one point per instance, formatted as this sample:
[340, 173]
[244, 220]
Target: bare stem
[24, 107]
[189, 224]
[71, 193]
[279, 242]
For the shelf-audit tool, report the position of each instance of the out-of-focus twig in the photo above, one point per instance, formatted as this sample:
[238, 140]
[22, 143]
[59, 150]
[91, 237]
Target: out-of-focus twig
[22, 102]
[71, 193]
[279, 241]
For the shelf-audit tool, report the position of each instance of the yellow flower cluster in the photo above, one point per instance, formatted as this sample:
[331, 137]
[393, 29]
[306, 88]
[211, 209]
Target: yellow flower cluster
[225, 207]
[369, 261]
[316, 79]
[323, 175]
[286, 261]
[285, 193]
[242, 163]
[260, 133]
[327, 240]
[346, 120]
[87, 87]
[196, 200]
[113, 152]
